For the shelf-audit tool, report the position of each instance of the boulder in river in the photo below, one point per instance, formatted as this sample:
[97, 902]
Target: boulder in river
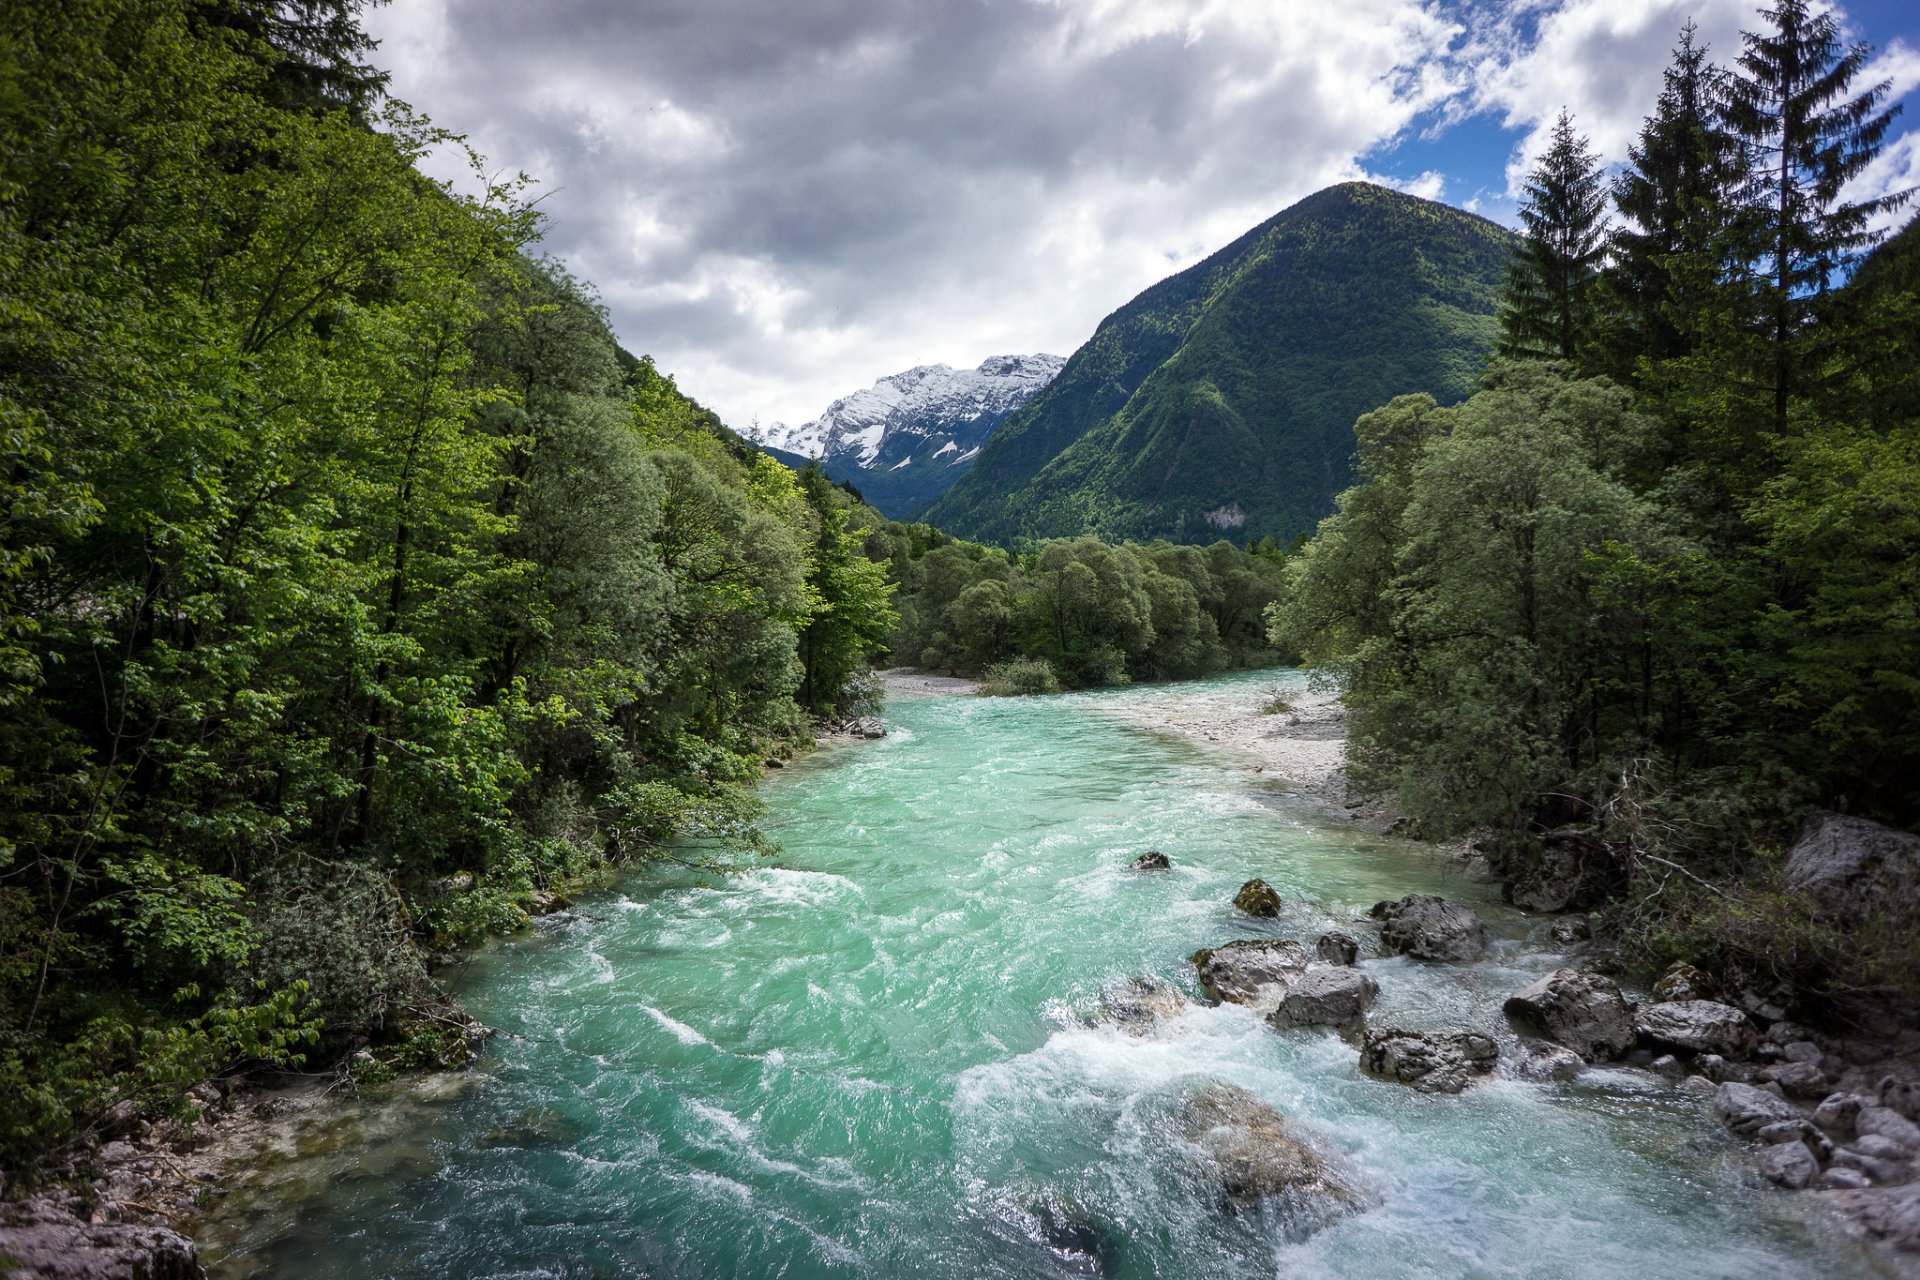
[1259, 1156]
[867, 727]
[1570, 870]
[1541, 1062]
[1698, 1026]
[1430, 928]
[1331, 997]
[1251, 970]
[1337, 947]
[1151, 860]
[1855, 869]
[1583, 1011]
[1258, 898]
[1430, 1061]
[1138, 1005]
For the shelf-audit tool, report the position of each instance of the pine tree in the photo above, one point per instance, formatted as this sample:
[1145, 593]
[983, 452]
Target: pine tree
[1789, 101]
[1676, 198]
[1548, 306]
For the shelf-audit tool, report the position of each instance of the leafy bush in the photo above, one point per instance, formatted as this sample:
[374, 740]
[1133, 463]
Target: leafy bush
[1018, 677]
[1276, 705]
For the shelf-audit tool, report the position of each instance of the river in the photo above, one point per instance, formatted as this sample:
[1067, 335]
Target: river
[877, 1057]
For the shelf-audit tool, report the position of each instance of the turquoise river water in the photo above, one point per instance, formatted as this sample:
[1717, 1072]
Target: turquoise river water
[878, 1056]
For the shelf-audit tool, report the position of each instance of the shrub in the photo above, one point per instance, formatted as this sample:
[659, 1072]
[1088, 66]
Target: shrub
[1277, 705]
[1018, 677]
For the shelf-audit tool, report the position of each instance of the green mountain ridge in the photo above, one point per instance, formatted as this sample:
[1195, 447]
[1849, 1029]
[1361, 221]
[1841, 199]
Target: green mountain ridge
[1220, 402]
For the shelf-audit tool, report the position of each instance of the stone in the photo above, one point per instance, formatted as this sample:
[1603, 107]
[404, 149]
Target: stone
[1139, 1005]
[1151, 860]
[1698, 1084]
[1541, 1062]
[1902, 1096]
[123, 1120]
[1697, 1026]
[1249, 970]
[867, 727]
[1332, 997]
[1337, 948]
[1667, 1065]
[1856, 869]
[1789, 1165]
[1888, 1123]
[1583, 1011]
[1801, 1080]
[55, 1245]
[1881, 1147]
[1801, 1051]
[1259, 1156]
[1682, 982]
[1568, 930]
[1713, 1067]
[1571, 870]
[1877, 1170]
[1837, 1111]
[1841, 1178]
[1432, 1062]
[1889, 1216]
[1258, 898]
[1429, 928]
[1746, 1110]
[1785, 1033]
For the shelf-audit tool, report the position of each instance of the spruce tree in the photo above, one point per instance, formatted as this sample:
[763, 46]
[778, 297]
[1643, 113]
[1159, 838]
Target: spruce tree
[1676, 198]
[1548, 305]
[1791, 100]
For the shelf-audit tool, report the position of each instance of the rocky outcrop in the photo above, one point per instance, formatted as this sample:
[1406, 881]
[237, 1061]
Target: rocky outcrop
[1259, 1156]
[43, 1239]
[1258, 898]
[1251, 970]
[1698, 1026]
[1151, 860]
[1890, 1216]
[1571, 870]
[1337, 948]
[1683, 981]
[1855, 869]
[1583, 1011]
[1432, 1062]
[1139, 1005]
[1331, 997]
[1430, 928]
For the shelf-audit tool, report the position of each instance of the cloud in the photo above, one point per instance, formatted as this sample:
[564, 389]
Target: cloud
[782, 201]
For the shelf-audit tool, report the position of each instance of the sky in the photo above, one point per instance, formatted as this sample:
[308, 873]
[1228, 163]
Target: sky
[782, 201]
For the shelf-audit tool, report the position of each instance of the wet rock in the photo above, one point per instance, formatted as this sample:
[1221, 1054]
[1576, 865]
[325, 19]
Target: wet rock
[1856, 869]
[1746, 1110]
[1251, 970]
[1667, 1065]
[1875, 1169]
[1151, 860]
[1333, 997]
[1432, 1062]
[1682, 982]
[1429, 928]
[1698, 1084]
[1568, 930]
[1583, 1011]
[43, 1240]
[1538, 1061]
[1888, 1123]
[1571, 870]
[1337, 948]
[867, 727]
[1789, 1165]
[1837, 1111]
[1841, 1178]
[1801, 1051]
[1138, 1005]
[1698, 1026]
[1889, 1216]
[1258, 898]
[1259, 1156]
[1801, 1080]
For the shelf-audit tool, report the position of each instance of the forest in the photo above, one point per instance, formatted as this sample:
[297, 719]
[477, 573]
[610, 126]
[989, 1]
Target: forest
[1656, 582]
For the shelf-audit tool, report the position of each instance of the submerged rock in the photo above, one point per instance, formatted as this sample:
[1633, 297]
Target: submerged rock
[1151, 860]
[1258, 898]
[1698, 1026]
[1334, 997]
[1432, 1062]
[1251, 970]
[1138, 1005]
[1258, 1155]
[1337, 947]
[1430, 928]
[1583, 1011]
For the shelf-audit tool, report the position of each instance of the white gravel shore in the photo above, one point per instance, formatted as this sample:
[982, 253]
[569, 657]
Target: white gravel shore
[1306, 744]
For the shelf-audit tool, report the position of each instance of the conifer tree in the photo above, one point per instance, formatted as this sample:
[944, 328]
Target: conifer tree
[1548, 305]
[1791, 100]
[1676, 197]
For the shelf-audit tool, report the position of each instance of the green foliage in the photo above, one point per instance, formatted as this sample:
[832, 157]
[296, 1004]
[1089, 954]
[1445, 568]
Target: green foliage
[1547, 312]
[1019, 676]
[1220, 402]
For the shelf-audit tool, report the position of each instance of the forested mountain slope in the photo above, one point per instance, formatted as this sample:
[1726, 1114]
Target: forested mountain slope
[1222, 400]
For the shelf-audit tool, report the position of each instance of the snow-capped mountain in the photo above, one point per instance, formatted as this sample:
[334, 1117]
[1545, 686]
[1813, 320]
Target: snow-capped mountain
[903, 441]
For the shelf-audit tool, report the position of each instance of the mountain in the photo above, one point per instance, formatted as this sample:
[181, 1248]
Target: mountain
[1221, 401]
[903, 441]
